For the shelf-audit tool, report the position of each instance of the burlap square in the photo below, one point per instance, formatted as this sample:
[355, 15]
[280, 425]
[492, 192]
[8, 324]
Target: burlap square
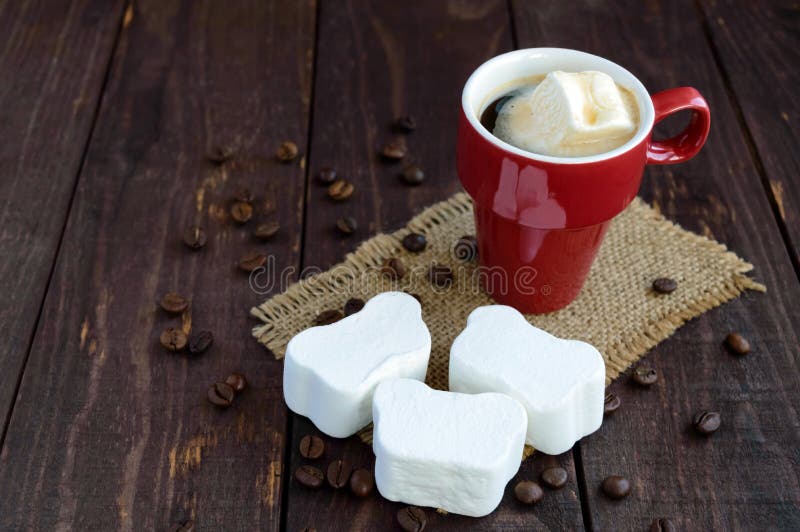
[616, 311]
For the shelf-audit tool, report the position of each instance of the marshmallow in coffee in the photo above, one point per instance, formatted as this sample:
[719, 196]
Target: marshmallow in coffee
[568, 114]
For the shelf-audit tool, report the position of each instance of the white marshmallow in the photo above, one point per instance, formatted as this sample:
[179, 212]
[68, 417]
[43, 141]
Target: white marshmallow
[561, 383]
[331, 371]
[569, 115]
[446, 450]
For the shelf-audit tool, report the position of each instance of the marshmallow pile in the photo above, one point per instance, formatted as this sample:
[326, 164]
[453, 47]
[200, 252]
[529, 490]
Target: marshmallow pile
[510, 383]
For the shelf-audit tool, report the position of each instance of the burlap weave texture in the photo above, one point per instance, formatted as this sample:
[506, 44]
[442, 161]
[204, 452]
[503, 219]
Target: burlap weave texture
[616, 311]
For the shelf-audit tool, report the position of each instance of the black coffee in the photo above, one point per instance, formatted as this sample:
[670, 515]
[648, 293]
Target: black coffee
[489, 115]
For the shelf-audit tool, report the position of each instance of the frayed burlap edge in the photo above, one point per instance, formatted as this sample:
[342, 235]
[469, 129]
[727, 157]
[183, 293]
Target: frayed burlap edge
[281, 314]
[369, 254]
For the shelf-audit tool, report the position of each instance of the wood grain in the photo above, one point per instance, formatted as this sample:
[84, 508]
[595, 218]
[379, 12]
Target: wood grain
[378, 60]
[110, 431]
[745, 477]
[53, 59]
[375, 64]
[757, 44]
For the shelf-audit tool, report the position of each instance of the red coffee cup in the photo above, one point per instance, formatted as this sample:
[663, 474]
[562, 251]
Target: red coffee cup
[540, 219]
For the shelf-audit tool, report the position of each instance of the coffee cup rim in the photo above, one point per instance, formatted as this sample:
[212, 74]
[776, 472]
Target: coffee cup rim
[526, 56]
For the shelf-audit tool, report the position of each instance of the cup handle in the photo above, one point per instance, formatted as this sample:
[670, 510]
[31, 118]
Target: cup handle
[686, 144]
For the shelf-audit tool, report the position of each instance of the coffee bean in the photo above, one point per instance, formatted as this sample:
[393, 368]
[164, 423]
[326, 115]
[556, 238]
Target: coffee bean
[339, 473]
[287, 151]
[252, 260]
[195, 237]
[347, 225]
[266, 230]
[182, 526]
[221, 154]
[413, 175]
[311, 446]
[326, 175]
[663, 525]
[221, 394]
[174, 303]
[706, 422]
[414, 242]
[412, 519]
[361, 482]
[200, 342]
[440, 275]
[528, 492]
[326, 317]
[244, 195]
[555, 477]
[612, 402]
[664, 285]
[173, 339]
[466, 248]
[309, 476]
[616, 487]
[393, 268]
[236, 381]
[241, 212]
[340, 190]
[644, 375]
[394, 149]
[737, 343]
[405, 123]
[353, 305]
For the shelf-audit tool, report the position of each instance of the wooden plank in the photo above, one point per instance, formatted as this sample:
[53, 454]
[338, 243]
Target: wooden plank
[376, 61]
[53, 59]
[763, 75]
[745, 476]
[110, 431]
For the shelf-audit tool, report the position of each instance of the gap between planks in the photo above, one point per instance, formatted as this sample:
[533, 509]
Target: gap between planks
[289, 428]
[774, 202]
[124, 21]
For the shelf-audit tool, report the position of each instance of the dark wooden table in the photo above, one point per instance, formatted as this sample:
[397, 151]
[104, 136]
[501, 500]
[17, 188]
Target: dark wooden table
[108, 112]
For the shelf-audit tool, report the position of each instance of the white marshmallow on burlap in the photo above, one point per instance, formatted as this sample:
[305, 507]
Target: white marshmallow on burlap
[445, 450]
[331, 371]
[560, 383]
